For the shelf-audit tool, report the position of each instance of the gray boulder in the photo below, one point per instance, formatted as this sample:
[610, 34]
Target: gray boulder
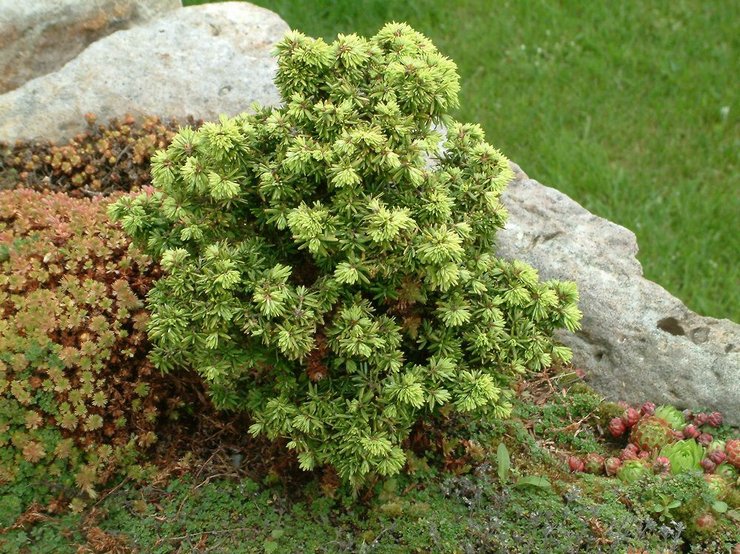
[40, 36]
[203, 61]
[637, 342]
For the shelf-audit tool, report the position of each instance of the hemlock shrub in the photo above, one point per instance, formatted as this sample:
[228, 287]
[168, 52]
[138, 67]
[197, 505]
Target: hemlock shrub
[329, 269]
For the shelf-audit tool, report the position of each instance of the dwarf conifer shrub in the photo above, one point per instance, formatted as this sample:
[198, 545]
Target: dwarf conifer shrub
[329, 269]
[77, 393]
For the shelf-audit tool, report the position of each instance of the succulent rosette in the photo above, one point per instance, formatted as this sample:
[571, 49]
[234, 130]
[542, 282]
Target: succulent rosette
[672, 415]
[685, 455]
[717, 485]
[727, 472]
[732, 449]
[594, 463]
[651, 433]
[716, 444]
[632, 471]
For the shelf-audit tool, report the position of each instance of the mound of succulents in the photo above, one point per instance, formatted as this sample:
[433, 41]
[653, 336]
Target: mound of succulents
[665, 439]
[664, 442]
[77, 393]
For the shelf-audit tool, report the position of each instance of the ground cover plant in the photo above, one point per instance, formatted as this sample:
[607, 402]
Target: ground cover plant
[78, 396]
[469, 485]
[152, 463]
[604, 101]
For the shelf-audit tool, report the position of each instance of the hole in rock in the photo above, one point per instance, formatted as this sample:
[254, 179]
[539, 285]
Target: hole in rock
[671, 325]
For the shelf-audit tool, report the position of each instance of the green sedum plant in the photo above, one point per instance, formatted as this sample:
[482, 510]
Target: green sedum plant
[329, 269]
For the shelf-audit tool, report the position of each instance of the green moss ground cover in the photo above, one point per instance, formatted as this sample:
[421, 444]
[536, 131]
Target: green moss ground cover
[631, 108]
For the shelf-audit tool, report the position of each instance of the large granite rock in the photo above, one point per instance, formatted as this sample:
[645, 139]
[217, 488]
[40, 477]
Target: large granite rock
[638, 342]
[40, 36]
[202, 61]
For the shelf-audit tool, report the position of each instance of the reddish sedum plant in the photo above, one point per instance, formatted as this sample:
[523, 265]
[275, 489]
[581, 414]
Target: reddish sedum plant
[76, 390]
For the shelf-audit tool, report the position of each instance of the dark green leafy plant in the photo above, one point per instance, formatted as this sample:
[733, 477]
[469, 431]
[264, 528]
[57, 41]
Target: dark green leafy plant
[329, 267]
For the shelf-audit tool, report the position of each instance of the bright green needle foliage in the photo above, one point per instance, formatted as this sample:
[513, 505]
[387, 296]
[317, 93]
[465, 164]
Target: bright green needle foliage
[329, 269]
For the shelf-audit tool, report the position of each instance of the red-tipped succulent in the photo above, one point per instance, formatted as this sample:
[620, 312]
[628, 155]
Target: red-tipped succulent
[651, 433]
[617, 427]
[630, 417]
[714, 419]
[691, 432]
[662, 465]
[629, 452]
[575, 464]
[717, 456]
[612, 465]
[732, 450]
[594, 463]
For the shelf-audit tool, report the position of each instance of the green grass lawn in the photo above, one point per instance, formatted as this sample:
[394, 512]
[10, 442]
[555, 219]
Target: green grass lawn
[629, 107]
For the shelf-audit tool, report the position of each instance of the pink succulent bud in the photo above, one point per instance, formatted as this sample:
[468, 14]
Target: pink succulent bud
[717, 456]
[647, 409]
[678, 435]
[690, 432]
[630, 417]
[617, 427]
[594, 463]
[629, 452]
[708, 465]
[704, 439]
[575, 464]
[612, 465]
[643, 455]
[700, 419]
[714, 419]
[662, 464]
[705, 522]
[622, 404]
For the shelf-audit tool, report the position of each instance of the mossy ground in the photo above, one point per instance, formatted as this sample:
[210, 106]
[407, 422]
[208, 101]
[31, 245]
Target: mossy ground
[212, 490]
